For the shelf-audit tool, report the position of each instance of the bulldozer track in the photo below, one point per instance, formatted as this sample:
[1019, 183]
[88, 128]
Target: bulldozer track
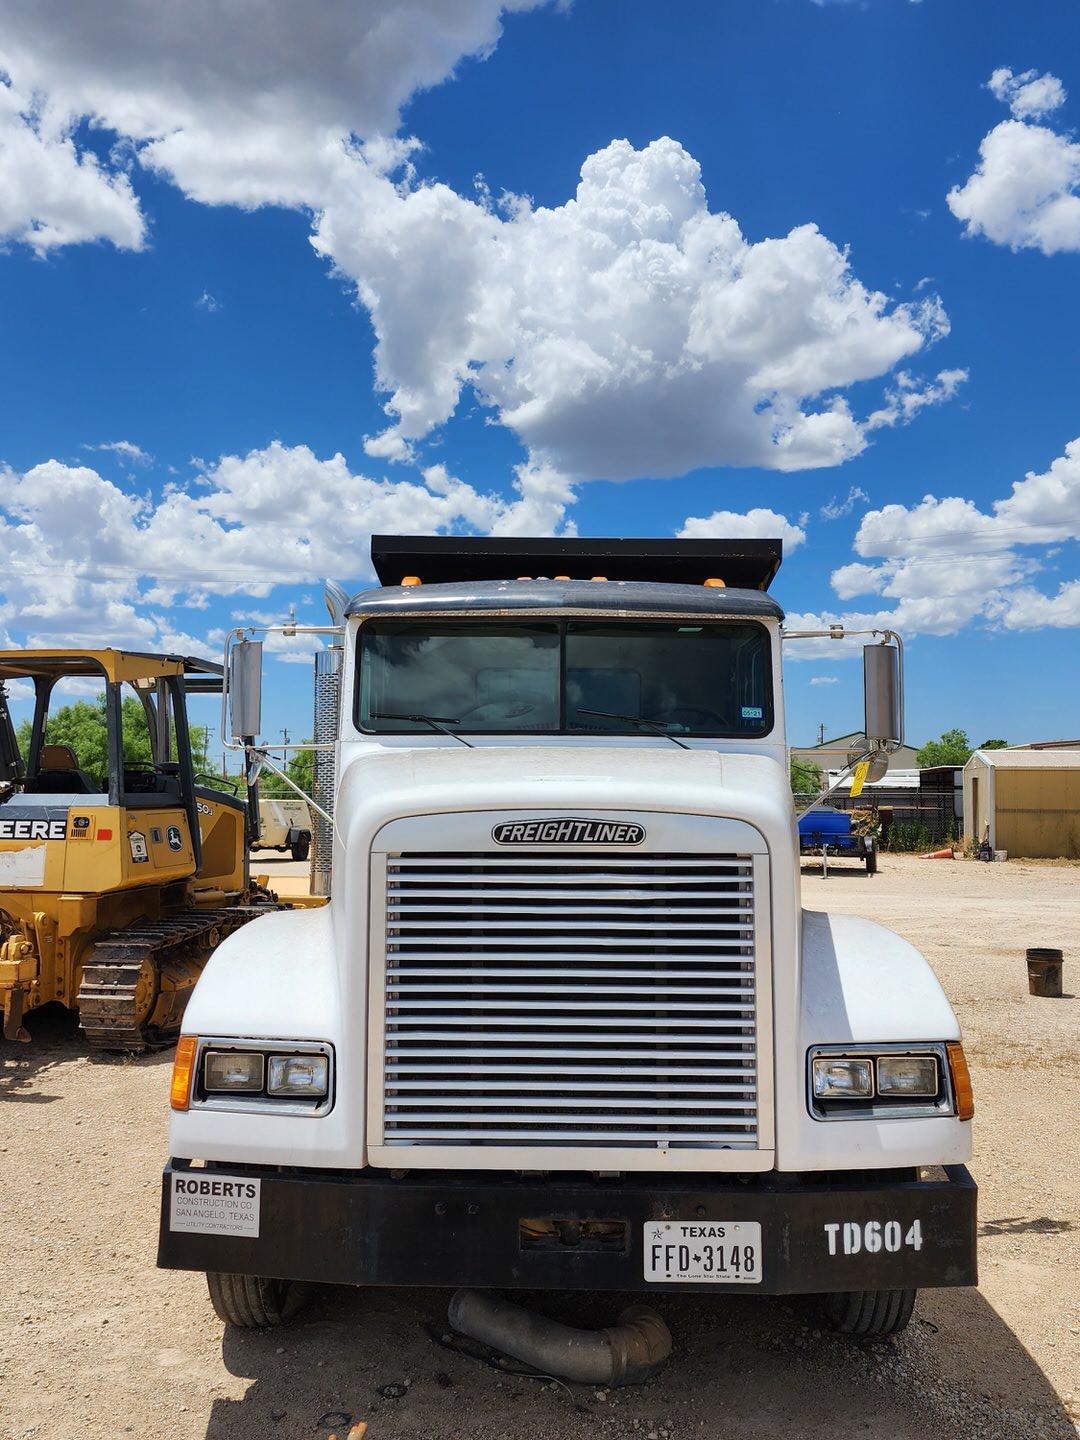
[108, 999]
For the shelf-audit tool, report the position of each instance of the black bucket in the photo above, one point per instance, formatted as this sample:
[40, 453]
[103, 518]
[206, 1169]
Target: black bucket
[1044, 972]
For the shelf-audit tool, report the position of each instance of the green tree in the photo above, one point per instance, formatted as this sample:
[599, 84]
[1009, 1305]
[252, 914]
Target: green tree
[805, 777]
[83, 727]
[954, 748]
[993, 745]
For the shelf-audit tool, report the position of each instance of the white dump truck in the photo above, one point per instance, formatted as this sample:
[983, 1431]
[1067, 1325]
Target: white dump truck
[284, 824]
[564, 1023]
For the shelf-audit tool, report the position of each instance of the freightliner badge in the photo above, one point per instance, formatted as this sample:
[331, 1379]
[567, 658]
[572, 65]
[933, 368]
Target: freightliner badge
[567, 832]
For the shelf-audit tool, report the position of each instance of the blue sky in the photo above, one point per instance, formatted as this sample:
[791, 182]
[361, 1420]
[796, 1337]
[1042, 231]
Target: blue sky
[203, 267]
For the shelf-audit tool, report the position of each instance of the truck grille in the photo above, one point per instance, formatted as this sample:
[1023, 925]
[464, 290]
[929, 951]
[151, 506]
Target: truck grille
[570, 1000]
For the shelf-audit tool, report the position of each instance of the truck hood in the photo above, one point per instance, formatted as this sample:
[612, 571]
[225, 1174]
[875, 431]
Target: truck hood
[375, 789]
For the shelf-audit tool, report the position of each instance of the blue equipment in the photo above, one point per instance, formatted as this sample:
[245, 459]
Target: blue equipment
[826, 833]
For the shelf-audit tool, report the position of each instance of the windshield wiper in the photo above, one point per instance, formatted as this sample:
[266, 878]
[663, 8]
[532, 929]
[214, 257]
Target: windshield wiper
[657, 725]
[441, 723]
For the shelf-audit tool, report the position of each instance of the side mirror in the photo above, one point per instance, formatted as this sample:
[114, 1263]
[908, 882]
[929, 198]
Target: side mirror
[883, 690]
[245, 689]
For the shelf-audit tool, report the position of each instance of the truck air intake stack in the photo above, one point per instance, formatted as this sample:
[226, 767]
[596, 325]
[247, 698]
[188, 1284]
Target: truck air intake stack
[325, 732]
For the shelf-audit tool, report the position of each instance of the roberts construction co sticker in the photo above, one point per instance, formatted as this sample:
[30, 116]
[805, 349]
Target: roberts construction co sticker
[205, 1203]
[567, 832]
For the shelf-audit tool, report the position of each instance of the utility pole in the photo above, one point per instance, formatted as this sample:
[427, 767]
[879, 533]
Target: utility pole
[821, 733]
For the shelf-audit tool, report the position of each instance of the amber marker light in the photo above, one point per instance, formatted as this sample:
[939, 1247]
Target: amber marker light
[410, 580]
[183, 1072]
[961, 1081]
[714, 584]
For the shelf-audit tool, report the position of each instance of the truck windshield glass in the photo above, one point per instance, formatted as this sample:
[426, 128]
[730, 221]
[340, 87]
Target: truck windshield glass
[710, 678]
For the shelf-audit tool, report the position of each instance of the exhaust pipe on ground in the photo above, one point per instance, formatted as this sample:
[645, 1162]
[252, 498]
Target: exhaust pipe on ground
[621, 1354]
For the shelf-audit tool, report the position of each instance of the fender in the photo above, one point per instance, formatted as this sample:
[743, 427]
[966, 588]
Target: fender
[277, 978]
[274, 977]
[860, 983]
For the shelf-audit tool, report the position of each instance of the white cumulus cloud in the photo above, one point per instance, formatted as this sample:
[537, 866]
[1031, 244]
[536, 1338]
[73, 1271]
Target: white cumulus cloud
[947, 563]
[835, 509]
[756, 524]
[124, 450]
[630, 330]
[53, 194]
[249, 104]
[1025, 190]
[85, 557]
[1029, 95]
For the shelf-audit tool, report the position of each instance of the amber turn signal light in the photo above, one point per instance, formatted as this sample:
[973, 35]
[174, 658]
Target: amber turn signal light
[183, 1072]
[961, 1081]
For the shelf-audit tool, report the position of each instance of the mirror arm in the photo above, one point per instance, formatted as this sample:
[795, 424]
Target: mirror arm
[837, 632]
[258, 760]
[238, 633]
[817, 800]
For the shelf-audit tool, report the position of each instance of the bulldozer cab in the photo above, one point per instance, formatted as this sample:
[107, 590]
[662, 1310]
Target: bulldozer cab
[119, 869]
[104, 765]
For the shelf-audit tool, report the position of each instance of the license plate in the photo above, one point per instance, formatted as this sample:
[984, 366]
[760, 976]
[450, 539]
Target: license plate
[724, 1252]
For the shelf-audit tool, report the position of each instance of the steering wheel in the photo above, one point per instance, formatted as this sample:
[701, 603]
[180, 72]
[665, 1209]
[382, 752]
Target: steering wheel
[217, 782]
[503, 710]
[140, 777]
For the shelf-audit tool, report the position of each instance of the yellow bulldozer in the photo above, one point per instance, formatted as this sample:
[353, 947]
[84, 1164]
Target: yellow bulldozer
[118, 876]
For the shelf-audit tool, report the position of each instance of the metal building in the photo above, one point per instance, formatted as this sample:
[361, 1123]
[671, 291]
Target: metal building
[1027, 802]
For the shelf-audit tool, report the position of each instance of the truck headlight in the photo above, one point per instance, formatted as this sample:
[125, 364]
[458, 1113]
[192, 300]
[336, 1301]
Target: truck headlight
[307, 1075]
[876, 1082]
[914, 1075]
[843, 1078]
[228, 1072]
[282, 1077]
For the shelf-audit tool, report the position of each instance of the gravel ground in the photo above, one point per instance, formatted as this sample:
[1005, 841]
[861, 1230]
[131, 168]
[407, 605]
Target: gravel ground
[96, 1343]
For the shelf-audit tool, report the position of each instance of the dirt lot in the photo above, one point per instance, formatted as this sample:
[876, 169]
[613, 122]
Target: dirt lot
[96, 1343]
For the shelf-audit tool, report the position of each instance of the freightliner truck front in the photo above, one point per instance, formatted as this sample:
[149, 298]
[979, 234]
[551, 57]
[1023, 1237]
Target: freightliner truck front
[564, 1023]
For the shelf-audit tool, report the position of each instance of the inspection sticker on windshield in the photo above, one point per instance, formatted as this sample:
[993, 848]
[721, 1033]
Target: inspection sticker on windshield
[752, 712]
[213, 1204]
[727, 1252]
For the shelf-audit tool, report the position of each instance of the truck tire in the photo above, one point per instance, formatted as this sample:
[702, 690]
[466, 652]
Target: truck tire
[868, 1314]
[254, 1301]
[302, 849]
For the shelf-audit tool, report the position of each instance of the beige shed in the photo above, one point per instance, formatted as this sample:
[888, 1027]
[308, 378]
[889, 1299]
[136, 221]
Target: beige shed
[1026, 801]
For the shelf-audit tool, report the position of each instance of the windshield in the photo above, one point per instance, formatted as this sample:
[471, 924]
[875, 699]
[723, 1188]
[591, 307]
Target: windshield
[697, 679]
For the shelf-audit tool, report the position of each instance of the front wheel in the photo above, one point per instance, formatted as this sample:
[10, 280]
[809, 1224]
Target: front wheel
[868, 1314]
[254, 1301]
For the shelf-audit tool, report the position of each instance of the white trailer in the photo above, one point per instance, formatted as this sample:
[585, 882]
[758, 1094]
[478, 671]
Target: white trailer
[564, 1023]
[284, 824]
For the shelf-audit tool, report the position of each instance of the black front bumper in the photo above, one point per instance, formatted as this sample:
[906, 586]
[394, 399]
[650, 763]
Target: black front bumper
[819, 1234]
